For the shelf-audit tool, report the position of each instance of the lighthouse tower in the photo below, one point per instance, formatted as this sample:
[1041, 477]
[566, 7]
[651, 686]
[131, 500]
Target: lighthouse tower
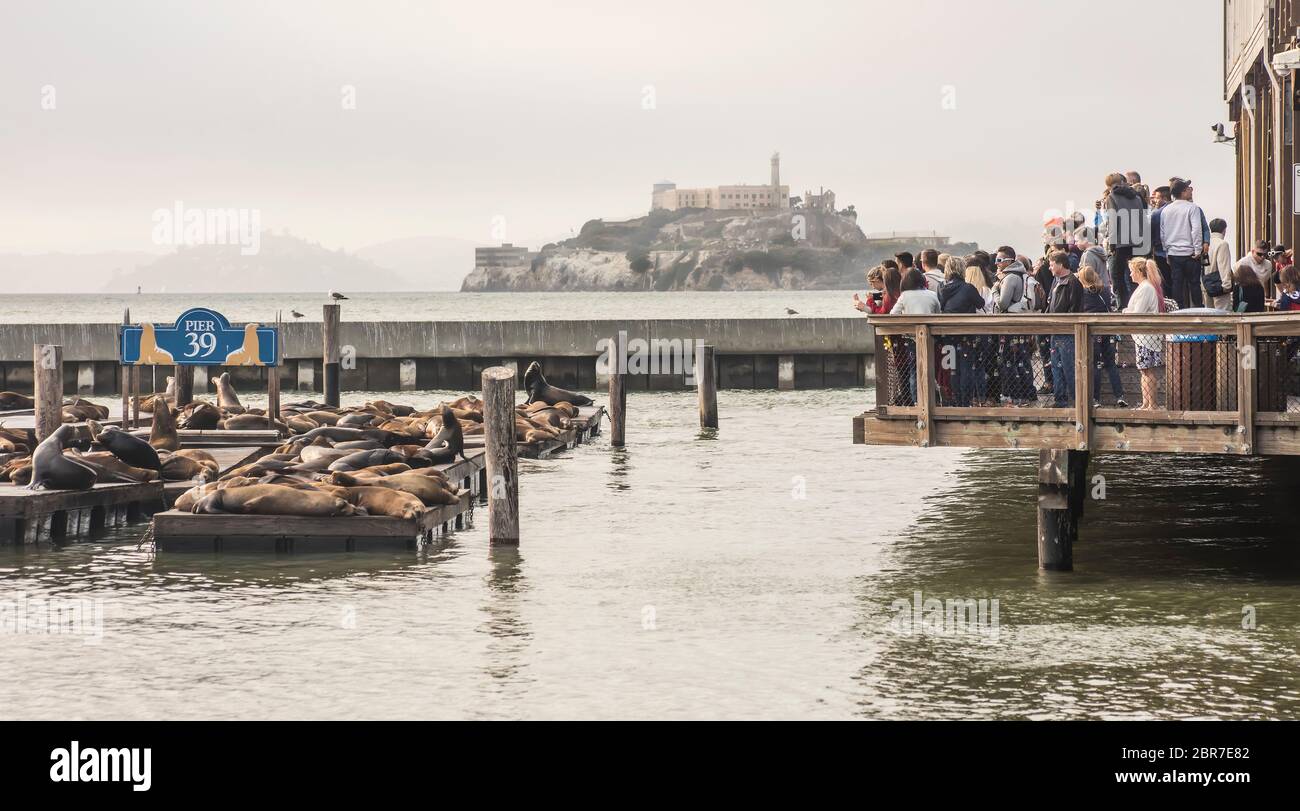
[776, 181]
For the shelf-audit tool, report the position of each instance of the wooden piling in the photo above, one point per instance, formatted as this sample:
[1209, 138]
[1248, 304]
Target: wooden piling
[502, 456]
[706, 379]
[184, 385]
[126, 378]
[330, 335]
[47, 374]
[1062, 483]
[273, 381]
[617, 394]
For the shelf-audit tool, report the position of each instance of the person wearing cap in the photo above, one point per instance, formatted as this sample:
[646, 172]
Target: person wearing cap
[1094, 257]
[1185, 235]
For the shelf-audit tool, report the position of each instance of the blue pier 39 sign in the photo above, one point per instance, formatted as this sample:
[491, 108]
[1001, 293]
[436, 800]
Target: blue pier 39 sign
[200, 337]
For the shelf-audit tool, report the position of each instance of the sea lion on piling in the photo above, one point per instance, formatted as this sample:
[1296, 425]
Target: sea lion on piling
[126, 446]
[52, 470]
[162, 434]
[13, 401]
[538, 389]
[226, 396]
[272, 499]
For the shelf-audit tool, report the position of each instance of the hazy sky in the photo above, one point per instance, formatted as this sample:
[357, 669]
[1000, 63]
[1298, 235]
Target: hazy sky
[535, 112]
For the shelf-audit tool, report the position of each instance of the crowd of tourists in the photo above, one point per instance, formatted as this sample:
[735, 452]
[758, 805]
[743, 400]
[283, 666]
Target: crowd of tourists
[1143, 251]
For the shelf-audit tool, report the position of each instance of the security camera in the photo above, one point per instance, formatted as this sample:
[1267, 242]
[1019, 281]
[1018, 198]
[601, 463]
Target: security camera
[1219, 136]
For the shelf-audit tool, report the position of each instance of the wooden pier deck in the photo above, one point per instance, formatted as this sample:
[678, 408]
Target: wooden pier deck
[1225, 384]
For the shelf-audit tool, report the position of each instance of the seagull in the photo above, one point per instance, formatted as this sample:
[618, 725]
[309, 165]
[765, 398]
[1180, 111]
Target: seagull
[788, 311]
[338, 296]
[295, 314]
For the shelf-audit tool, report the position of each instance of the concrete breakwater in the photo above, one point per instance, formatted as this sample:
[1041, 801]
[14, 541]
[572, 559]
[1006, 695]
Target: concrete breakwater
[753, 353]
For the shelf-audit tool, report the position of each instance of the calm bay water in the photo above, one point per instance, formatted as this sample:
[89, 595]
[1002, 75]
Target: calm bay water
[748, 575]
[361, 306]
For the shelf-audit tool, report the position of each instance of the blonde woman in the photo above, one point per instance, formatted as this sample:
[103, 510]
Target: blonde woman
[975, 277]
[1148, 298]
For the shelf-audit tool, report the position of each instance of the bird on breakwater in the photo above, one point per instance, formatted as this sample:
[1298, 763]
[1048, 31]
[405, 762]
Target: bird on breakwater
[296, 314]
[338, 296]
[788, 311]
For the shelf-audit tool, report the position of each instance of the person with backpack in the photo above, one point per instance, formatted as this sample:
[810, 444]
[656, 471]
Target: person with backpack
[1124, 223]
[1218, 276]
[1016, 292]
[1097, 299]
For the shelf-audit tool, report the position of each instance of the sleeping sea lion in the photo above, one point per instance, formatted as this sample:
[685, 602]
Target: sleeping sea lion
[272, 499]
[243, 422]
[12, 401]
[379, 500]
[538, 389]
[52, 470]
[363, 459]
[128, 447]
[162, 434]
[427, 489]
[200, 416]
[111, 469]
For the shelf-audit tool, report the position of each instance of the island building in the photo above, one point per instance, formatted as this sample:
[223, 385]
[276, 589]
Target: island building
[772, 196]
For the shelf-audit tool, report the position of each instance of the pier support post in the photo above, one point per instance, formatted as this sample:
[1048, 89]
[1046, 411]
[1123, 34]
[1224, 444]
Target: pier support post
[785, 372]
[47, 375]
[85, 378]
[617, 374]
[306, 375]
[406, 374]
[1062, 482]
[706, 379]
[201, 381]
[502, 455]
[127, 374]
[184, 385]
[330, 334]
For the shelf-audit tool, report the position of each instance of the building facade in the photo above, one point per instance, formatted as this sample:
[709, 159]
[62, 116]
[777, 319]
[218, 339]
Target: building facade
[1260, 57]
[502, 256]
[772, 196]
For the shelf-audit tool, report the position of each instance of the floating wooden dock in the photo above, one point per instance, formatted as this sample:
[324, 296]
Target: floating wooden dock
[176, 531]
[1228, 384]
[32, 516]
[213, 438]
[580, 429]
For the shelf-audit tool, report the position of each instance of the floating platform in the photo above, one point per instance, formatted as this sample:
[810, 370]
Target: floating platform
[176, 531]
[214, 438]
[32, 516]
[580, 429]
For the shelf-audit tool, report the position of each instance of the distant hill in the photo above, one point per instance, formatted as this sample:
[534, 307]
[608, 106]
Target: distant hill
[283, 263]
[705, 249]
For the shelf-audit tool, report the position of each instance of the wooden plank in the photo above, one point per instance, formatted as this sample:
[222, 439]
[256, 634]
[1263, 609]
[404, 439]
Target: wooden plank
[1083, 385]
[1029, 414]
[1247, 363]
[18, 501]
[925, 383]
[880, 362]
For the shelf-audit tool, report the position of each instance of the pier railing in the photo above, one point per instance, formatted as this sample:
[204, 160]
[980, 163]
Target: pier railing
[1210, 383]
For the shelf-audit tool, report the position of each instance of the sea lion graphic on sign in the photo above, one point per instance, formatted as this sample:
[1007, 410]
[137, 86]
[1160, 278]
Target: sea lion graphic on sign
[200, 337]
[249, 353]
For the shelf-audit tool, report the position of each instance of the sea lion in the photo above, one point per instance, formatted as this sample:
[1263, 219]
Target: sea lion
[538, 389]
[356, 420]
[272, 499]
[13, 401]
[162, 434]
[150, 354]
[126, 446]
[379, 500]
[314, 453]
[200, 416]
[427, 489]
[244, 422]
[226, 396]
[52, 470]
[250, 353]
[298, 424]
[181, 468]
[449, 442]
[382, 470]
[362, 459]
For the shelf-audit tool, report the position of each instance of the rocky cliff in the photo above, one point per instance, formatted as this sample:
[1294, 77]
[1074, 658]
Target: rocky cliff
[695, 249]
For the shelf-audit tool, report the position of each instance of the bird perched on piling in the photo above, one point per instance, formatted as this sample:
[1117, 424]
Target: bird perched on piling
[296, 314]
[788, 311]
[338, 296]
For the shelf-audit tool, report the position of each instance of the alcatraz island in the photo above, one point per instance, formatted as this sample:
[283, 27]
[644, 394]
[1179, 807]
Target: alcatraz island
[738, 237]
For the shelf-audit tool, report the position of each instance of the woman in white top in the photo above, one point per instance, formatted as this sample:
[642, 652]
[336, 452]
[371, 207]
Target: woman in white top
[917, 298]
[1148, 297]
[975, 278]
